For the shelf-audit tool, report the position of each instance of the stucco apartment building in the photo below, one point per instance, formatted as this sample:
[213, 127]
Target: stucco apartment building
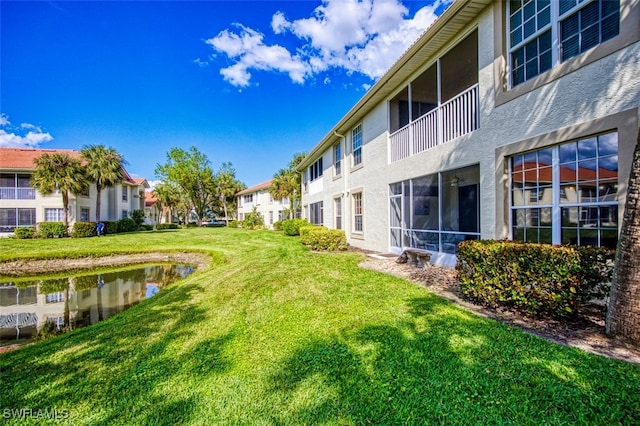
[22, 205]
[258, 196]
[503, 120]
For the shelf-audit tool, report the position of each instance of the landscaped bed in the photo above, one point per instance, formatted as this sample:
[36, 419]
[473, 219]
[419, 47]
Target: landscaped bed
[270, 333]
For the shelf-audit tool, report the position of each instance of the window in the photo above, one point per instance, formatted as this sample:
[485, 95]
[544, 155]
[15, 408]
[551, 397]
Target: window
[337, 159]
[315, 170]
[567, 194]
[84, 215]
[357, 212]
[248, 198]
[55, 297]
[315, 213]
[356, 145]
[125, 193]
[270, 218]
[337, 203]
[13, 217]
[596, 22]
[125, 214]
[537, 26]
[54, 215]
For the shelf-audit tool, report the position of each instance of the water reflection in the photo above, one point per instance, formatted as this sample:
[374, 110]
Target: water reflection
[80, 300]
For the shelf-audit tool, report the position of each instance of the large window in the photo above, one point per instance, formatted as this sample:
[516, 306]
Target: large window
[337, 208]
[84, 215]
[315, 213]
[567, 194]
[248, 198]
[356, 144]
[54, 215]
[357, 212]
[543, 32]
[315, 170]
[12, 218]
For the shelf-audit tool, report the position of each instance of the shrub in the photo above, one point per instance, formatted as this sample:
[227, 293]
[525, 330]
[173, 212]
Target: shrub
[145, 227]
[277, 226]
[538, 279]
[110, 227]
[323, 239]
[51, 230]
[233, 224]
[138, 217]
[24, 233]
[84, 229]
[127, 225]
[161, 226]
[292, 227]
[253, 220]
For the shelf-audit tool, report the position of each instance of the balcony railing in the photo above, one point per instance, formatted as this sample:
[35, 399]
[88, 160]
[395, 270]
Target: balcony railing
[13, 193]
[454, 118]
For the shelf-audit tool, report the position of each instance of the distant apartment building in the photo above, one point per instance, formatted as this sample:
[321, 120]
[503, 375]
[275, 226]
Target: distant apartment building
[505, 119]
[258, 196]
[22, 205]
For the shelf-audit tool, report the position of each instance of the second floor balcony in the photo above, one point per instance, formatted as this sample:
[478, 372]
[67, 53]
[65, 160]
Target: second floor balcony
[13, 193]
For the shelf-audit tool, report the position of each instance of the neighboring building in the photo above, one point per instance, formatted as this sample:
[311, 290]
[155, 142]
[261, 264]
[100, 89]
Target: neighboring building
[503, 120]
[258, 196]
[22, 205]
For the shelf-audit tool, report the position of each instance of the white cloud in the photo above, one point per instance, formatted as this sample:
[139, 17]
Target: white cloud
[250, 52]
[10, 138]
[357, 36]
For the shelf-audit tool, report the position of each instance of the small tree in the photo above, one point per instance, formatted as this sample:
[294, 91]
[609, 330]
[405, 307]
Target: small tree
[227, 186]
[286, 184]
[60, 172]
[138, 217]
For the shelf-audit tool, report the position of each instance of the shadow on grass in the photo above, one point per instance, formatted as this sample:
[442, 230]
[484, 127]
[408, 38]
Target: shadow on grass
[103, 377]
[444, 365]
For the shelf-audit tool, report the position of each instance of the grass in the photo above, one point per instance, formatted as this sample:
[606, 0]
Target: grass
[273, 334]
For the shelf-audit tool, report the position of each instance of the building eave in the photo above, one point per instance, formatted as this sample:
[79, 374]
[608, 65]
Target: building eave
[452, 21]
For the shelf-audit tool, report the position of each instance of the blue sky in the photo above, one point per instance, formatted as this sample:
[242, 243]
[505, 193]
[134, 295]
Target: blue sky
[246, 82]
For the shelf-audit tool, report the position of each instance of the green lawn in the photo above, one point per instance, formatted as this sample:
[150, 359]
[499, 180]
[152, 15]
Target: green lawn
[274, 334]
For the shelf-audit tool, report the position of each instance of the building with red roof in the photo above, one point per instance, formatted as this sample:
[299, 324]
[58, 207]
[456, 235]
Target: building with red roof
[22, 205]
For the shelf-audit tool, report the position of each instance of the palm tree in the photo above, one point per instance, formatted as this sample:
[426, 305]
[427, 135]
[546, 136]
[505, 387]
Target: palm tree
[168, 196]
[286, 184]
[227, 186]
[104, 168]
[59, 172]
[623, 313]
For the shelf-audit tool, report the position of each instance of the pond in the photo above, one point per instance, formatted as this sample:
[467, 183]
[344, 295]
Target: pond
[28, 305]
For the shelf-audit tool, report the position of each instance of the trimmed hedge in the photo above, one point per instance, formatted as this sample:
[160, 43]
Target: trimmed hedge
[292, 227]
[323, 239]
[24, 233]
[84, 230]
[51, 230]
[110, 228]
[161, 226]
[127, 225]
[538, 279]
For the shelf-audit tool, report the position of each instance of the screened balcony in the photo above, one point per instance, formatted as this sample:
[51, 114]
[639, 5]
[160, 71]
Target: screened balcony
[439, 105]
[16, 187]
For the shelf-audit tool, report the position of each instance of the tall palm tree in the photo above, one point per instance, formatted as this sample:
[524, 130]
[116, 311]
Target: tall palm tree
[60, 172]
[623, 313]
[104, 168]
[286, 184]
[227, 186]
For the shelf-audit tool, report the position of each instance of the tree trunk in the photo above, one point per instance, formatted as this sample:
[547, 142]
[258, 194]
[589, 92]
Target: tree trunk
[99, 191]
[226, 216]
[623, 313]
[65, 212]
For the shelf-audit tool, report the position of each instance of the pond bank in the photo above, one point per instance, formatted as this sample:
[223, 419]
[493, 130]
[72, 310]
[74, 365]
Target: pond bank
[39, 266]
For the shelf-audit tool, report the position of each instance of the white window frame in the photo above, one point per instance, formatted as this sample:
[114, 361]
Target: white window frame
[337, 209]
[554, 26]
[356, 145]
[54, 214]
[358, 212]
[337, 159]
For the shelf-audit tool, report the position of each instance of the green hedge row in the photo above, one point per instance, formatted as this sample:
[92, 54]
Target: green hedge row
[161, 226]
[538, 279]
[24, 233]
[292, 227]
[323, 239]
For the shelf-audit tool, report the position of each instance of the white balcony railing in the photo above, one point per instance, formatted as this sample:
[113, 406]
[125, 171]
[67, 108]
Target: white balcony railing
[13, 193]
[454, 118]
